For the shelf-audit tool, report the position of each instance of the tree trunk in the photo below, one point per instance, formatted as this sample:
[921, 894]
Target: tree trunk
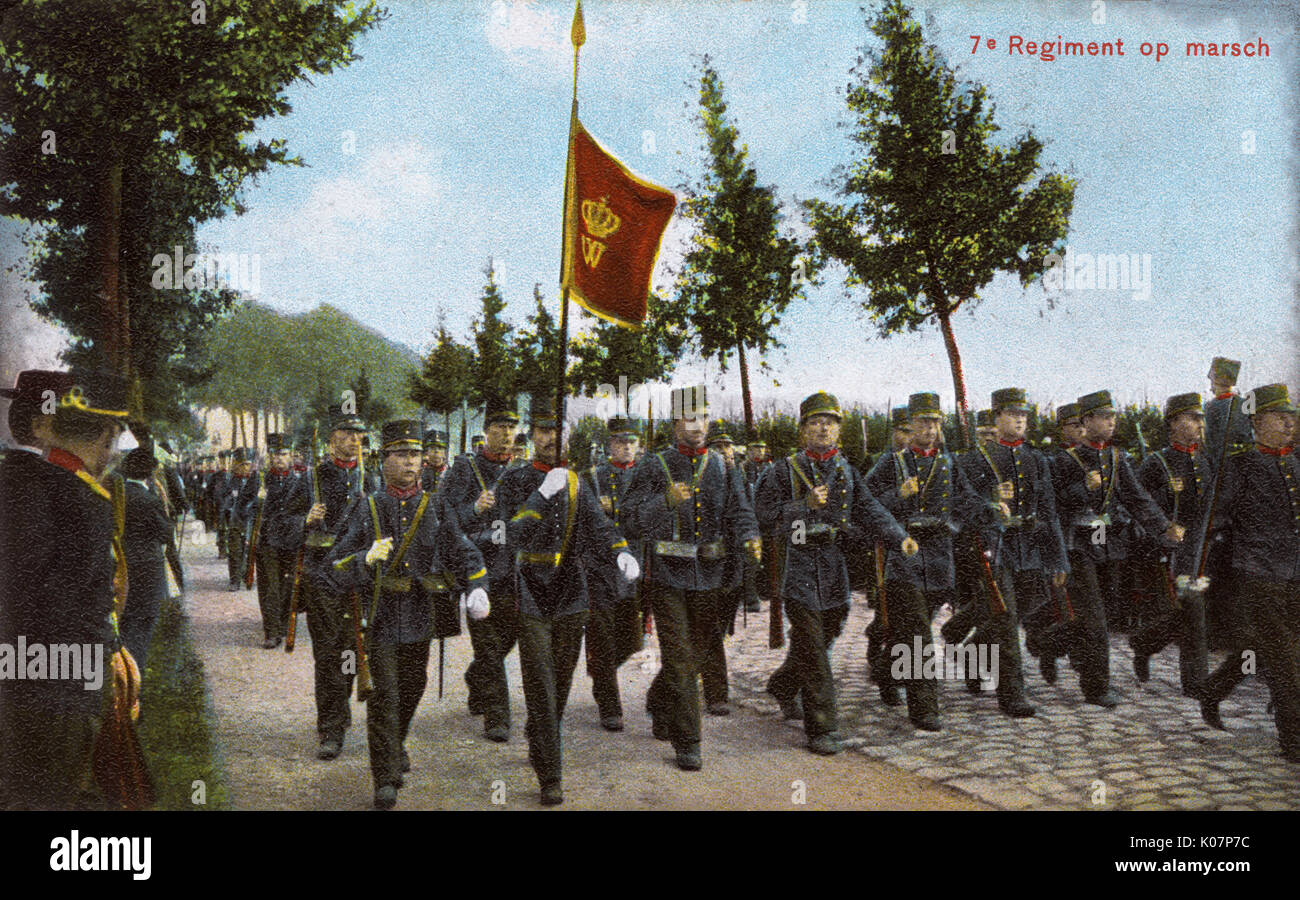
[958, 376]
[744, 393]
[112, 323]
[464, 424]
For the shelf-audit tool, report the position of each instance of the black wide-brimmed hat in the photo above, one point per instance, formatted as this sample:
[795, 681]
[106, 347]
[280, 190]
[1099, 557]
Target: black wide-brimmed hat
[96, 392]
[29, 393]
[401, 434]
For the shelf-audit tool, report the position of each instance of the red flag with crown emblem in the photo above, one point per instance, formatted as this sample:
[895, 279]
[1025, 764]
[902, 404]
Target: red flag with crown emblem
[614, 224]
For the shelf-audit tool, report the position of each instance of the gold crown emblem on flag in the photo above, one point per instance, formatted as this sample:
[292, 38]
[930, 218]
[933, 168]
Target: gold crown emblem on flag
[599, 218]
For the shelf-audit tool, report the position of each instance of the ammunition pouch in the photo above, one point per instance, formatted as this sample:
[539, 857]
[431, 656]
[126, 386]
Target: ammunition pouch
[821, 534]
[926, 527]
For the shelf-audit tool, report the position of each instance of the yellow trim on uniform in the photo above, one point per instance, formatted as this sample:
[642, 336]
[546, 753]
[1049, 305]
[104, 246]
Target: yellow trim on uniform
[526, 514]
[75, 399]
[339, 564]
[93, 484]
[403, 442]
[622, 543]
[479, 574]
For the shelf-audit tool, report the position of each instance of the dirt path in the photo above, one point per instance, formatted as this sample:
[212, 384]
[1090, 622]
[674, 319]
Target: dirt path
[265, 732]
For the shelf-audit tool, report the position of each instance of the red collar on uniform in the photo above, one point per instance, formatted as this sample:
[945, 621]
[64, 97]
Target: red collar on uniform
[546, 467]
[925, 453]
[65, 460]
[299, 468]
[1223, 396]
[494, 457]
[279, 472]
[691, 451]
[821, 457]
[1271, 451]
[406, 494]
[1182, 449]
[619, 465]
[1016, 443]
[1098, 446]
[345, 464]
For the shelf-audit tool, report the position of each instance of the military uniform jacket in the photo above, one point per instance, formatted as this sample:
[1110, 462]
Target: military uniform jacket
[1180, 483]
[609, 480]
[228, 501]
[945, 494]
[146, 533]
[469, 476]
[215, 490]
[431, 478]
[56, 572]
[278, 530]
[1240, 437]
[1120, 498]
[438, 559]
[815, 541]
[554, 541]
[687, 547]
[340, 490]
[1033, 539]
[1259, 506]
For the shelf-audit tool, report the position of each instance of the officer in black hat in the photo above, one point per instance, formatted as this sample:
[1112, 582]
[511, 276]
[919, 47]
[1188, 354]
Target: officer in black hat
[1022, 548]
[469, 493]
[276, 537]
[57, 519]
[1096, 491]
[321, 501]
[614, 623]
[1259, 503]
[691, 513]
[34, 399]
[816, 501]
[1179, 478]
[555, 523]
[403, 557]
[435, 460]
[925, 488]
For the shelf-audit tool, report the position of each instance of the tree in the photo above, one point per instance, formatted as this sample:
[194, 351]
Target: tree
[740, 273]
[99, 106]
[536, 351]
[934, 210]
[494, 371]
[443, 382]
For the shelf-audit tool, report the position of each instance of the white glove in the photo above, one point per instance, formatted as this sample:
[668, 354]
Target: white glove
[379, 550]
[628, 565]
[476, 604]
[556, 480]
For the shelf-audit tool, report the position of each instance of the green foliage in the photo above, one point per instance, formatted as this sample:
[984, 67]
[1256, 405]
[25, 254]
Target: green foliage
[536, 351]
[494, 370]
[443, 381]
[641, 355]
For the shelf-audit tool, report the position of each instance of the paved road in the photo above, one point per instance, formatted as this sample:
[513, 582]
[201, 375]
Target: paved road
[265, 731]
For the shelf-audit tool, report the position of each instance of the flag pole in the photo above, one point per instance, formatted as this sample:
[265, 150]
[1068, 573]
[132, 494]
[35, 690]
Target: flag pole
[578, 36]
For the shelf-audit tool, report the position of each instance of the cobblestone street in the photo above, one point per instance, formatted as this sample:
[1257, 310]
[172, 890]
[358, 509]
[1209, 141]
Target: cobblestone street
[1152, 752]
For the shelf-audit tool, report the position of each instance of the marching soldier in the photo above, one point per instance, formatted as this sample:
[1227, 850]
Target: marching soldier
[401, 555]
[277, 537]
[55, 520]
[756, 465]
[435, 460]
[321, 500]
[1096, 489]
[614, 619]
[214, 491]
[1178, 478]
[986, 432]
[555, 523]
[230, 513]
[1023, 547]
[900, 436]
[1259, 505]
[469, 492]
[1070, 425]
[925, 489]
[1225, 422]
[811, 502]
[713, 668]
[519, 452]
[146, 534]
[691, 513]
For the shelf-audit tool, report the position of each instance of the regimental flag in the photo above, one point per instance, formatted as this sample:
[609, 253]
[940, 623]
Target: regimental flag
[614, 223]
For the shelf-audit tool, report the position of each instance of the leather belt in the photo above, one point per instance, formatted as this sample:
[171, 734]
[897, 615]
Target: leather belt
[396, 584]
[687, 550]
[319, 539]
[539, 559]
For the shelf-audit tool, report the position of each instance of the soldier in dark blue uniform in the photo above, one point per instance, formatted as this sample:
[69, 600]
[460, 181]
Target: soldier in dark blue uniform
[1096, 490]
[277, 537]
[435, 460]
[57, 567]
[713, 667]
[1225, 421]
[146, 533]
[900, 436]
[1259, 506]
[214, 490]
[813, 502]
[986, 430]
[555, 523]
[691, 514]
[614, 621]
[322, 500]
[399, 552]
[925, 489]
[1023, 547]
[1179, 478]
[469, 493]
[231, 515]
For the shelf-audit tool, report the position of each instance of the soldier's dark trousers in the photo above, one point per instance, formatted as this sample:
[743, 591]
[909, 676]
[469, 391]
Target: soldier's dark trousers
[1238, 635]
[220, 528]
[1273, 613]
[274, 583]
[492, 638]
[807, 667]
[399, 673]
[47, 756]
[687, 622]
[235, 560]
[713, 665]
[909, 618]
[1019, 590]
[329, 620]
[1184, 625]
[548, 654]
[613, 634]
[1090, 653]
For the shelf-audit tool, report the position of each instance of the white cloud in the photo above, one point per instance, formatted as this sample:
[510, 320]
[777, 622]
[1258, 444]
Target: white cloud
[529, 35]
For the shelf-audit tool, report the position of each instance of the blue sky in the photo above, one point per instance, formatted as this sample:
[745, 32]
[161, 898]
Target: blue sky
[458, 113]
